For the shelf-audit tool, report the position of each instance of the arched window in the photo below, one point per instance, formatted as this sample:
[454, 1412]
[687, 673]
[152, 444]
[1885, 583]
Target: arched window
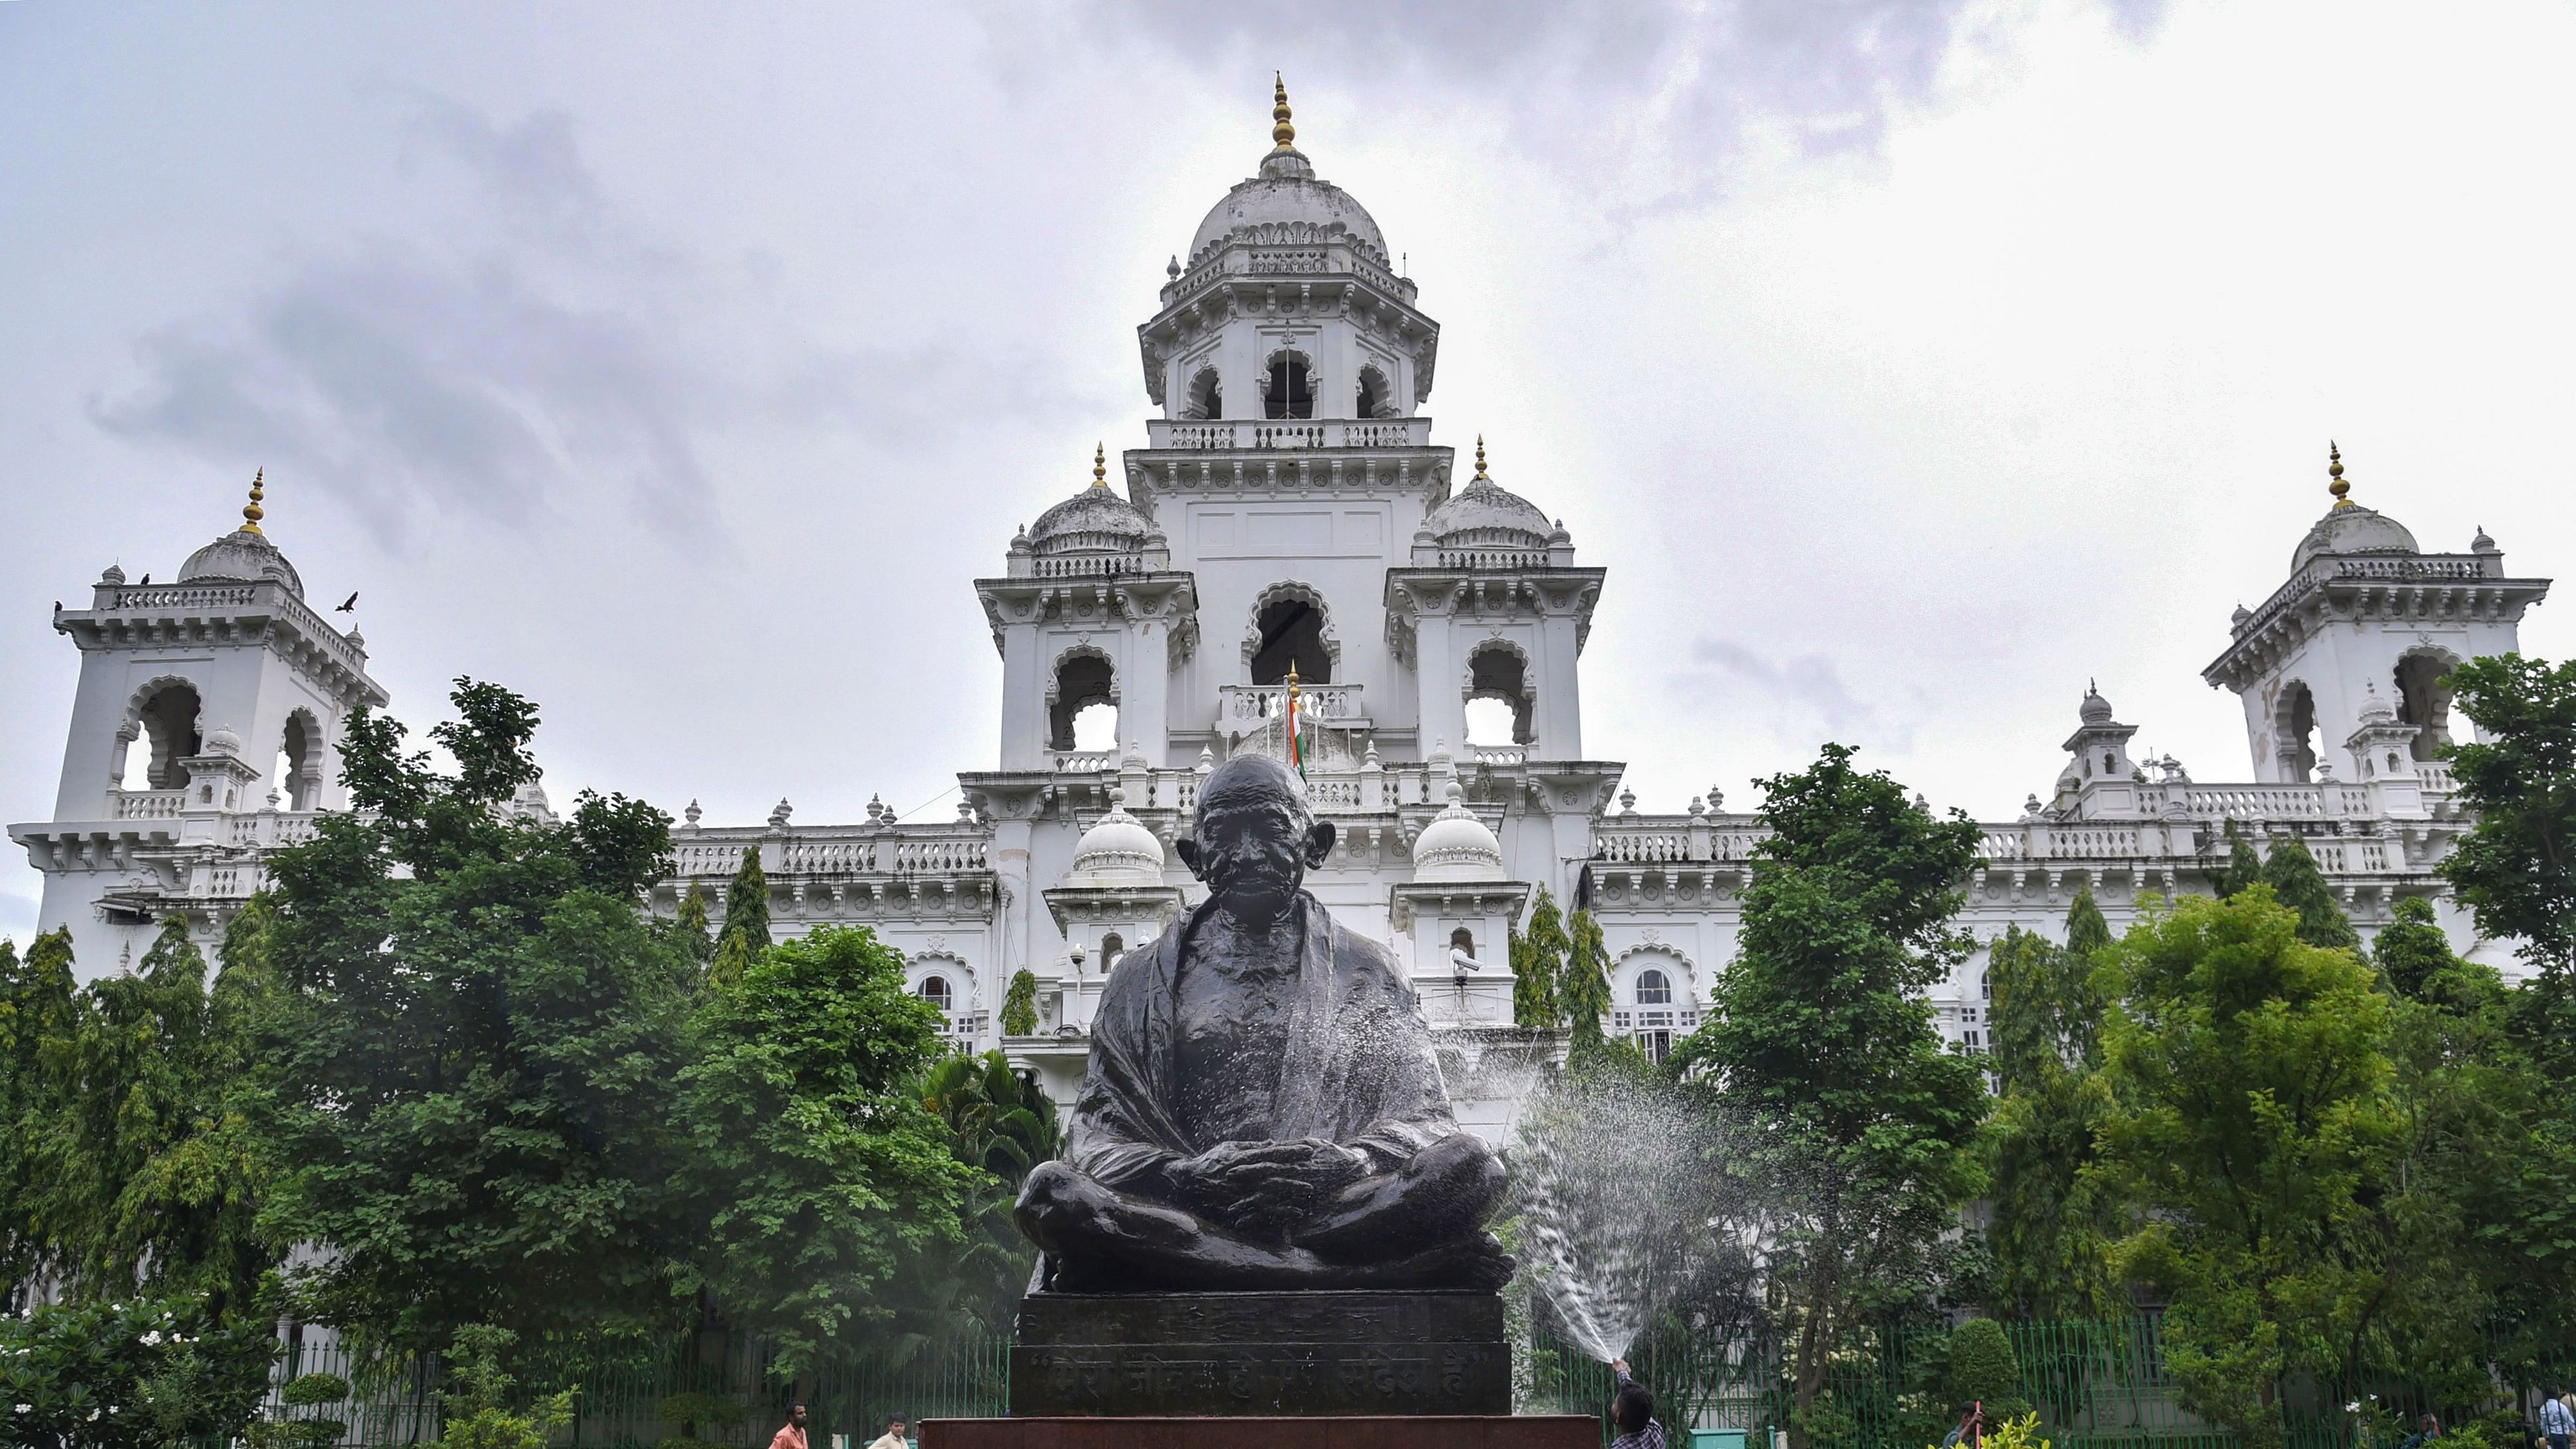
[1498, 695]
[1112, 946]
[297, 774]
[1374, 400]
[1291, 629]
[1463, 941]
[2110, 762]
[1206, 396]
[2295, 733]
[169, 734]
[2424, 700]
[1083, 680]
[1654, 988]
[935, 990]
[1288, 392]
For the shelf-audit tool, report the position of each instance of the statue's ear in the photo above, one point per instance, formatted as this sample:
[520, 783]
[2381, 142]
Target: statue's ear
[1319, 843]
[1189, 850]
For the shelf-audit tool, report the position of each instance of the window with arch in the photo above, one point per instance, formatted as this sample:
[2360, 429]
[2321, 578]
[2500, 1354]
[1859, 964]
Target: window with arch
[1291, 630]
[1376, 400]
[2424, 701]
[936, 991]
[1112, 946]
[166, 733]
[296, 774]
[1288, 391]
[1654, 988]
[1083, 704]
[2295, 733]
[1499, 696]
[2110, 762]
[1463, 941]
[1206, 396]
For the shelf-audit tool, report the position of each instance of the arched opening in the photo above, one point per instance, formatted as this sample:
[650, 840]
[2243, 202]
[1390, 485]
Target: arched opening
[1654, 988]
[169, 734]
[2295, 733]
[1498, 696]
[1463, 941]
[1112, 946]
[2424, 701]
[1082, 680]
[935, 990]
[1288, 391]
[1374, 401]
[1292, 630]
[297, 774]
[1206, 396]
[1095, 727]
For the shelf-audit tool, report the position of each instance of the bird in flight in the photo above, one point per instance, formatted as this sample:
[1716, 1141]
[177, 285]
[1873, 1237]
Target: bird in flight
[348, 604]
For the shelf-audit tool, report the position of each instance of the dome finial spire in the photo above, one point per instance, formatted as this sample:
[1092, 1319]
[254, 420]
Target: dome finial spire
[1099, 465]
[2334, 470]
[1280, 130]
[252, 513]
[1480, 457]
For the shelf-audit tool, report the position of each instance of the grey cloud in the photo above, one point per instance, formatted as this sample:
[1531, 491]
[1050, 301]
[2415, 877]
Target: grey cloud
[1610, 76]
[1808, 682]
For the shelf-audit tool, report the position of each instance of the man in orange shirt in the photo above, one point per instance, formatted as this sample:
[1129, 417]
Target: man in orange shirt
[792, 1435]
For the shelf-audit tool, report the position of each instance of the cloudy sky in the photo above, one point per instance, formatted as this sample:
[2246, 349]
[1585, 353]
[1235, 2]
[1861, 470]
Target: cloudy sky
[1907, 362]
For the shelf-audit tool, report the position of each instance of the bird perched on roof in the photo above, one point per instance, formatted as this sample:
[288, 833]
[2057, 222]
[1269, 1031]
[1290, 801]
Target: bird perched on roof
[147, 582]
[348, 604]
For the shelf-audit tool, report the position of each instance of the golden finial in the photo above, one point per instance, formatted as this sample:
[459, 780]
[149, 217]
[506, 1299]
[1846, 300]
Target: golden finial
[1292, 679]
[1480, 457]
[1099, 466]
[1280, 131]
[2334, 470]
[252, 513]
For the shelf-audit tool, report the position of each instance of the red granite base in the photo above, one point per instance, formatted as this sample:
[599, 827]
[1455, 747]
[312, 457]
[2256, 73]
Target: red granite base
[1425, 1431]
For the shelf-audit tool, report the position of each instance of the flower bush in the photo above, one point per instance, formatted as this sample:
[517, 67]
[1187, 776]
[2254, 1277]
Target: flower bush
[113, 1375]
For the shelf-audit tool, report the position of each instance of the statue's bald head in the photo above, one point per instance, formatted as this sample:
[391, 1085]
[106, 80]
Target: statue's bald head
[1255, 835]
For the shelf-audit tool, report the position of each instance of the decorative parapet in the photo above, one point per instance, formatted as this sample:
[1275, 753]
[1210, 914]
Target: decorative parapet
[120, 616]
[1225, 435]
[2339, 588]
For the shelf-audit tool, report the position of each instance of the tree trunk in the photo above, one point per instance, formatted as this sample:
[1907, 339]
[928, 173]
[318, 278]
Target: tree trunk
[1815, 1345]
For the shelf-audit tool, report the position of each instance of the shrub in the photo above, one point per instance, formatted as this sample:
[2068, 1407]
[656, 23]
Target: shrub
[1983, 1368]
[125, 1375]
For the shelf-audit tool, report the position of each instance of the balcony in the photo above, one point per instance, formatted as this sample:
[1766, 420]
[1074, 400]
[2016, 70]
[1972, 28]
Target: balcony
[1230, 434]
[1243, 708]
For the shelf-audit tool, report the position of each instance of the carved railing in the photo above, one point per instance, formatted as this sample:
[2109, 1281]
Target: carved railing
[1241, 702]
[149, 804]
[1216, 435]
[1501, 754]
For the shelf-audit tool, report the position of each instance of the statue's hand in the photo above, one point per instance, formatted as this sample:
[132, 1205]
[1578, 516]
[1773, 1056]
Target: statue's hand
[1266, 1186]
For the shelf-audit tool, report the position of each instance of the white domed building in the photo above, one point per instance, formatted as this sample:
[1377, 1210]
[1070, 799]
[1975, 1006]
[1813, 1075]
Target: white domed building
[1291, 565]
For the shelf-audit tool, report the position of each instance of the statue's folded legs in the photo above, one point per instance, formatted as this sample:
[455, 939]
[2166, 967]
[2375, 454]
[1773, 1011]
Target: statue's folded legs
[1416, 1227]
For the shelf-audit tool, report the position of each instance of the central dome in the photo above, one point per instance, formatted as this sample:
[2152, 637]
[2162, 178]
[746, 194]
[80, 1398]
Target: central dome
[1287, 205]
[245, 555]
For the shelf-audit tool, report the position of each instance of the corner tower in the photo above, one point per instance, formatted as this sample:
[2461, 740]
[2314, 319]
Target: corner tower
[2354, 653]
[206, 724]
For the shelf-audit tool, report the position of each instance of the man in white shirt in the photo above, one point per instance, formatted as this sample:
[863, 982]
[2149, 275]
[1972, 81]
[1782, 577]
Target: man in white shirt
[894, 1436]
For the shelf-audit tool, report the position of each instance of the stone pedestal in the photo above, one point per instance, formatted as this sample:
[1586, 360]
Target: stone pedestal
[1237, 1355]
[1528, 1431]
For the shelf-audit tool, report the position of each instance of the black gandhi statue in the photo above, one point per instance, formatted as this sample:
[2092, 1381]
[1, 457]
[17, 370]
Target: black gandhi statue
[1262, 1110]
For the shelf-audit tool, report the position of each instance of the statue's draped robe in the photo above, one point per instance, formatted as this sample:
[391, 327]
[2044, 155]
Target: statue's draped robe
[1358, 1068]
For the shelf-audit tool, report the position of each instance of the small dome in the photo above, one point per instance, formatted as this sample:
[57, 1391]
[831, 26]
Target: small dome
[1095, 520]
[2351, 529]
[1484, 515]
[1117, 851]
[2095, 710]
[2237, 619]
[2482, 543]
[114, 577]
[221, 740]
[1287, 205]
[243, 554]
[1457, 847]
[2376, 710]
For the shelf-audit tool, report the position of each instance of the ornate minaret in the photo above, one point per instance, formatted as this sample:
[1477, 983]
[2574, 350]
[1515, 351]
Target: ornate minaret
[206, 726]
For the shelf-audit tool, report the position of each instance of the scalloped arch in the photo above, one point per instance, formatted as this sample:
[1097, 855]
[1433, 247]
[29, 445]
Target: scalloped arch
[1305, 592]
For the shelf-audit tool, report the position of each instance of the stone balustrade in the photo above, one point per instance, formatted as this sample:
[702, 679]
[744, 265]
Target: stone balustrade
[1219, 435]
[148, 804]
[1240, 703]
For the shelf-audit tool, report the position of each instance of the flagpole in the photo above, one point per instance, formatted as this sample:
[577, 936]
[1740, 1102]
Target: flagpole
[1296, 754]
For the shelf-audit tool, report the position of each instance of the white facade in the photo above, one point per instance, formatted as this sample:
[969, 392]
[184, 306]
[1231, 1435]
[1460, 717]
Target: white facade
[1290, 512]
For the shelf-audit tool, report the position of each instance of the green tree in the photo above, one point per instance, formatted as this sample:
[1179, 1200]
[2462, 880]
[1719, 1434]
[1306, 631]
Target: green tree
[2516, 868]
[1001, 1124]
[747, 907]
[1538, 960]
[822, 1178]
[691, 926]
[2296, 882]
[476, 1046]
[2254, 1071]
[2052, 1223]
[482, 1411]
[2243, 867]
[1982, 1368]
[1583, 988]
[1823, 1053]
[2412, 953]
[1020, 1004]
[39, 1023]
